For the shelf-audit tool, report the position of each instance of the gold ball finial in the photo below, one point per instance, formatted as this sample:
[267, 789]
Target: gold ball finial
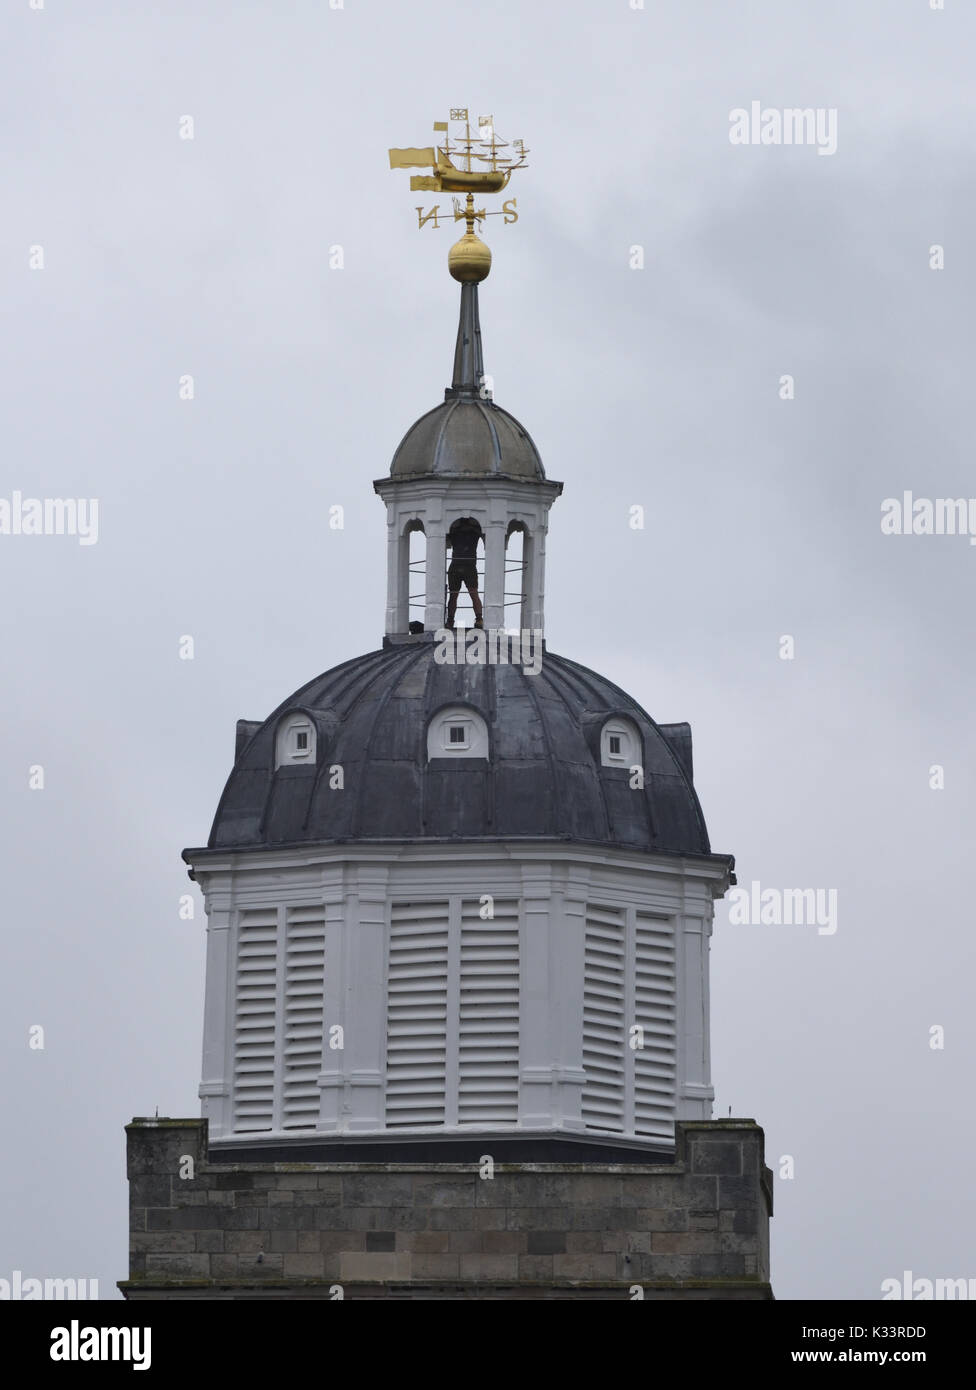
[469, 260]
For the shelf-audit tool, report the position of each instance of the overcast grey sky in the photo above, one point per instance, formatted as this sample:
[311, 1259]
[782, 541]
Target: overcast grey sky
[657, 387]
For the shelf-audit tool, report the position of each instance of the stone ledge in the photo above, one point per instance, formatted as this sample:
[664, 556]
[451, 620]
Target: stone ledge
[684, 1129]
[475, 1286]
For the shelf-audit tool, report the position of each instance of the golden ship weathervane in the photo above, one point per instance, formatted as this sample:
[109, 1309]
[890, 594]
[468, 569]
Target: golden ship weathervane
[453, 172]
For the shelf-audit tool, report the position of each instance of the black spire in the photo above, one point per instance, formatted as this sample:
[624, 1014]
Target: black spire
[469, 366]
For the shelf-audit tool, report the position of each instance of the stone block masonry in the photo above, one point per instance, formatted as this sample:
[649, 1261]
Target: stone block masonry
[697, 1228]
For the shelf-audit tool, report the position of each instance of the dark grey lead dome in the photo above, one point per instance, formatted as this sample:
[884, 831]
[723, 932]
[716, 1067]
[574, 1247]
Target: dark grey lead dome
[542, 780]
[467, 438]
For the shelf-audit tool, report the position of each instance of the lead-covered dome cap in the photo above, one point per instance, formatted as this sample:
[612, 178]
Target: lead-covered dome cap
[467, 438]
[534, 768]
[468, 435]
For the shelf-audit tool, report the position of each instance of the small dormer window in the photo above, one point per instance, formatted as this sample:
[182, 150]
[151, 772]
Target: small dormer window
[458, 732]
[300, 741]
[620, 744]
[295, 742]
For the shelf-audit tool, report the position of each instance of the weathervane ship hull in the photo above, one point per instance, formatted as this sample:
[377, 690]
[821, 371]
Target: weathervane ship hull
[448, 178]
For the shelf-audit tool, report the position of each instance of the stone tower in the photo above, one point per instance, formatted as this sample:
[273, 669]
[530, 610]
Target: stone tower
[459, 895]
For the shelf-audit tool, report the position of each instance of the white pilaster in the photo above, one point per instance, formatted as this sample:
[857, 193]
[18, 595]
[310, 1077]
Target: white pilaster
[366, 930]
[435, 578]
[495, 574]
[535, 586]
[332, 1078]
[535, 1036]
[567, 977]
[218, 1023]
[397, 563]
[529, 607]
[695, 1093]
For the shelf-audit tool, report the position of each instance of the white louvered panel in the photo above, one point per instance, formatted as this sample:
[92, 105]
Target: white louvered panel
[655, 1066]
[254, 1019]
[488, 1015]
[304, 986]
[416, 1028]
[603, 1020]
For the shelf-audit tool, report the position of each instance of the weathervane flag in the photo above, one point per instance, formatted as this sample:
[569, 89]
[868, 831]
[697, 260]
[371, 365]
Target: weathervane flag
[413, 158]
